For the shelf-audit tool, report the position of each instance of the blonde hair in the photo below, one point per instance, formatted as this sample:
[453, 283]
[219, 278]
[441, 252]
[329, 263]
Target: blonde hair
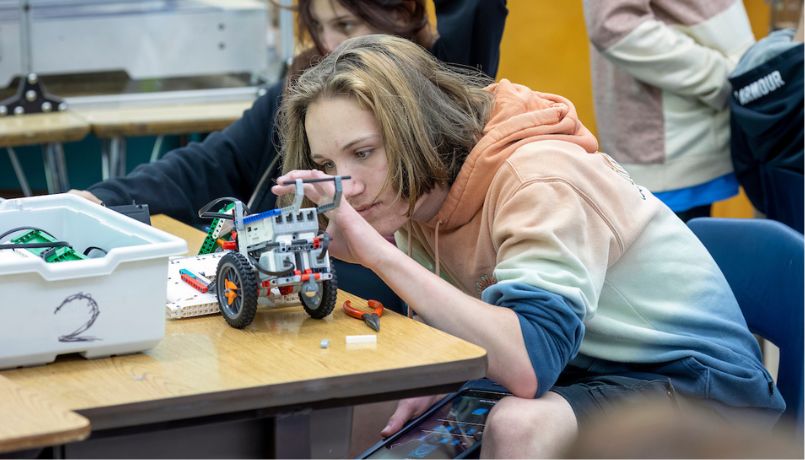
[430, 116]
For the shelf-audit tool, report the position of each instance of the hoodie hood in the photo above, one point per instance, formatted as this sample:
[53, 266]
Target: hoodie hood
[519, 116]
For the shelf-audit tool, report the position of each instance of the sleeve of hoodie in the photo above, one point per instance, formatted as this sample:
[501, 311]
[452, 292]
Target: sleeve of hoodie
[226, 163]
[470, 32]
[553, 249]
[692, 59]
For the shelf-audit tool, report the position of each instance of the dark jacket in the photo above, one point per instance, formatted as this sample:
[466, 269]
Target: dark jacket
[766, 143]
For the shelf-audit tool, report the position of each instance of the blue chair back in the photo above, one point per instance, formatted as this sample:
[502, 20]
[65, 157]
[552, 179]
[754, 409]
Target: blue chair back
[763, 263]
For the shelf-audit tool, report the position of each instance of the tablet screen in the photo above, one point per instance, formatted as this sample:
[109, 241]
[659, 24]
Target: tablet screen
[446, 433]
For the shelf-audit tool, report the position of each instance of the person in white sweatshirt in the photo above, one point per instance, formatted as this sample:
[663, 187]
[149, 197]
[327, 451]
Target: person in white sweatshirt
[659, 70]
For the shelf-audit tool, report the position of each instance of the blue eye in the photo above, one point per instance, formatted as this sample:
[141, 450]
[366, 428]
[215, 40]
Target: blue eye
[363, 153]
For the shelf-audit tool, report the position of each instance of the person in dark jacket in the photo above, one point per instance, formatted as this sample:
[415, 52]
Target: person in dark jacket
[241, 160]
[766, 117]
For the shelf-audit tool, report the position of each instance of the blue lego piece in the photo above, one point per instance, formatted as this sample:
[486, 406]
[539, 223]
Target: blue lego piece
[260, 216]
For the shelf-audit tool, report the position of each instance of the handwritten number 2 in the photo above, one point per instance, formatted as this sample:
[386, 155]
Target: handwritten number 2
[94, 311]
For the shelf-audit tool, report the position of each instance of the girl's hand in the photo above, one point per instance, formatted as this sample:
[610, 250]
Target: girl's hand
[318, 192]
[86, 195]
[406, 410]
[353, 239]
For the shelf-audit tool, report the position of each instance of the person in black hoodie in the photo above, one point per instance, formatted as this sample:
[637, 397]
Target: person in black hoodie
[242, 160]
[766, 117]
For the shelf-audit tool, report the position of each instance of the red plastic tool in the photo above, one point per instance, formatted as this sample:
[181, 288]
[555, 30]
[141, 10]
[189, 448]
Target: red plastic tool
[372, 319]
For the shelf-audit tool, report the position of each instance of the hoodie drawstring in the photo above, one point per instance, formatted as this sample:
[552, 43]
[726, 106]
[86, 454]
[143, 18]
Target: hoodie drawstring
[437, 266]
[437, 269]
[410, 251]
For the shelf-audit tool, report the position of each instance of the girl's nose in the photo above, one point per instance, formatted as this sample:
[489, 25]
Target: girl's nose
[352, 186]
[330, 40]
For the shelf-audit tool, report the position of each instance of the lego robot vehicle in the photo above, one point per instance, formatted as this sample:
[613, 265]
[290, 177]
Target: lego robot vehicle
[273, 255]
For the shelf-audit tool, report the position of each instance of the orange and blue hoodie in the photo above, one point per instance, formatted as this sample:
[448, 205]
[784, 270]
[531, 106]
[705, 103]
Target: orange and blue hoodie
[596, 268]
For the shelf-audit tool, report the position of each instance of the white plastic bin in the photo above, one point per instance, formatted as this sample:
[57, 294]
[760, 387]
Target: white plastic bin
[98, 307]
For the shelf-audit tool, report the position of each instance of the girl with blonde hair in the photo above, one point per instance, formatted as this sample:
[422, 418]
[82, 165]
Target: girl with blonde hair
[513, 232]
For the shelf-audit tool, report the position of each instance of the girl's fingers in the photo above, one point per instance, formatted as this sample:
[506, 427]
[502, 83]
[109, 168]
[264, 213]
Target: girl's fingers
[301, 174]
[406, 410]
[285, 183]
[318, 192]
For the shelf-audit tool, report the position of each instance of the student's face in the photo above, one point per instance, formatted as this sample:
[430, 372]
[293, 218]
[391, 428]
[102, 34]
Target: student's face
[334, 23]
[345, 139]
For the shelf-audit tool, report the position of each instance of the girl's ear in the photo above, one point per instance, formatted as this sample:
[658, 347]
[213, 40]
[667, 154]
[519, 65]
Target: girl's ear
[426, 36]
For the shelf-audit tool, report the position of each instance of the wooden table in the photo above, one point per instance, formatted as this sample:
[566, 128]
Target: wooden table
[149, 120]
[30, 420]
[205, 373]
[113, 125]
[50, 130]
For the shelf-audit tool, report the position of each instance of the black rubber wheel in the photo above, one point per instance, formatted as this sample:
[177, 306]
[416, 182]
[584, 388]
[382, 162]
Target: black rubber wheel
[321, 304]
[236, 289]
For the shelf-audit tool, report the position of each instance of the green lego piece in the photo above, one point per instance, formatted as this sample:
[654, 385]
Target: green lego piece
[51, 255]
[63, 254]
[208, 246]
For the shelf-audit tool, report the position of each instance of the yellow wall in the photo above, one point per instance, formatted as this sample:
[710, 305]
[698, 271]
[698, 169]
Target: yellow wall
[545, 47]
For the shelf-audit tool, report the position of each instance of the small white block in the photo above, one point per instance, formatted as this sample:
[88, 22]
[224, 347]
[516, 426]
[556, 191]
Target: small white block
[361, 339]
[324, 343]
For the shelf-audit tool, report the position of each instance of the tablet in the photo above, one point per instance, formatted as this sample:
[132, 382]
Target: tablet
[451, 428]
